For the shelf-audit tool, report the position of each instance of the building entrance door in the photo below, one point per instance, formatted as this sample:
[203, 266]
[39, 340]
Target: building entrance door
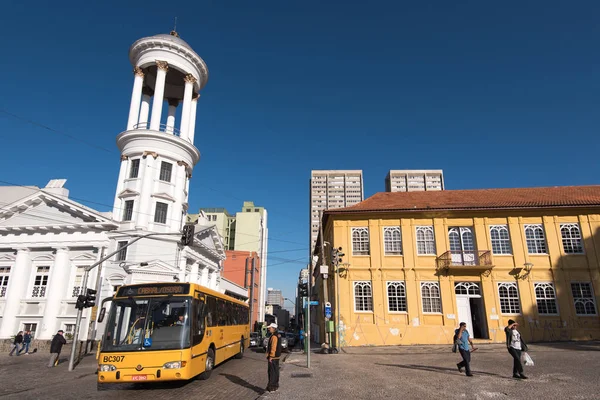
[471, 310]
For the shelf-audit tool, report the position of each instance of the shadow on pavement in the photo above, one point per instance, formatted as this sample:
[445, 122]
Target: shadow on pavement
[440, 370]
[239, 381]
[578, 346]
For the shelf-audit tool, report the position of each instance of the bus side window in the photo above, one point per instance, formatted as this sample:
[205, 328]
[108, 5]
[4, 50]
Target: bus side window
[211, 314]
[198, 327]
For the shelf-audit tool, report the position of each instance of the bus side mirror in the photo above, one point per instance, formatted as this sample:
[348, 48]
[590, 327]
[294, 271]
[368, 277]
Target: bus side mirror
[101, 316]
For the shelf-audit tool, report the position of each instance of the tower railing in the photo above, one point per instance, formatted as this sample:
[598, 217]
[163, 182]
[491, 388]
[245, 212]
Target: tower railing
[162, 128]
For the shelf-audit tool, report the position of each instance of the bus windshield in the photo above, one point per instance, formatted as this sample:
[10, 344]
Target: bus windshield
[161, 323]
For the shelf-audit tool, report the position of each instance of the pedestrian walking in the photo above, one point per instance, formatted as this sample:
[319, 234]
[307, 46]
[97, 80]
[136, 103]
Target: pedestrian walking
[302, 339]
[55, 347]
[516, 346]
[26, 341]
[273, 354]
[463, 340]
[17, 344]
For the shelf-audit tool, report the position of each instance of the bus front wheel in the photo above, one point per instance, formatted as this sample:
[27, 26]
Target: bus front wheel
[241, 353]
[209, 365]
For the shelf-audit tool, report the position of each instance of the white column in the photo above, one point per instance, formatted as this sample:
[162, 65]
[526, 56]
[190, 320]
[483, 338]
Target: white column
[182, 269]
[213, 280]
[204, 276]
[159, 92]
[143, 208]
[17, 288]
[173, 103]
[60, 274]
[136, 95]
[143, 121]
[187, 105]
[195, 278]
[117, 211]
[192, 124]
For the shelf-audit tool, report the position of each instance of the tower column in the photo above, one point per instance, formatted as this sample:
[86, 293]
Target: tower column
[60, 273]
[136, 95]
[144, 212]
[192, 125]
[143, 122]
[187, 104]
[159, 92]
[173, 103]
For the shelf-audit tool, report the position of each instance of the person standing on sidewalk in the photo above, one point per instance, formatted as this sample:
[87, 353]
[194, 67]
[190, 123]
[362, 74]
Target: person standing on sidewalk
[273, 354]
[26, 341]
[55, 347]
[464, 340]
[515, 346]
[17, 342]
[302, 339]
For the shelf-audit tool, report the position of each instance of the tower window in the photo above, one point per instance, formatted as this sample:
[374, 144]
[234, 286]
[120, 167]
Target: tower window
[128, 211]
[165, 171]
[135, 168]
[160, 214]
[122, 254]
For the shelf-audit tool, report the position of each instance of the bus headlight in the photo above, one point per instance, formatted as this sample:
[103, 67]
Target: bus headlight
[106, 368]
[174, 365]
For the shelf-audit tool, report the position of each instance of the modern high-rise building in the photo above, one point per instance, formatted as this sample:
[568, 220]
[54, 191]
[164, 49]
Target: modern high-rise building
[332, 189]
[275, 297]
[414, 180]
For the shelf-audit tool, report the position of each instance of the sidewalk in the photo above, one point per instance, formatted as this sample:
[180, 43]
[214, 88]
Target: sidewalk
[19, 374]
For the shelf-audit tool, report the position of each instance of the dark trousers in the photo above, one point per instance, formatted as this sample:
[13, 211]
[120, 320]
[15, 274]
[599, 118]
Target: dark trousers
[517, 366]
[273, 374]
[465, 363]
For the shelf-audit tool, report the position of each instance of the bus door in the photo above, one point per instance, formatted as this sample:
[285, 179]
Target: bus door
[199, 345]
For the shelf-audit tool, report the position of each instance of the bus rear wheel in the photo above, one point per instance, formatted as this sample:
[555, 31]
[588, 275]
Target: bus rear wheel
[209, 365]
[241, 353]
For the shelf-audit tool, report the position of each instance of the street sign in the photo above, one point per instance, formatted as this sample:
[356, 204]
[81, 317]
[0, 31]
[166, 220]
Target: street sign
[314, 303]
[327, 310]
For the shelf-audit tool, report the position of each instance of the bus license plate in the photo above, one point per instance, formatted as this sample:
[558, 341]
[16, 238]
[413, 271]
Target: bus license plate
[139, 377]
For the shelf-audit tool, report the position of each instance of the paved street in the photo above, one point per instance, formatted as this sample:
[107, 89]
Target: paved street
[567, 370]
[28, 377]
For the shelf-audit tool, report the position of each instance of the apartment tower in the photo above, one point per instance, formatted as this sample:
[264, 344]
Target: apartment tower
[414, 180]
[332, 189]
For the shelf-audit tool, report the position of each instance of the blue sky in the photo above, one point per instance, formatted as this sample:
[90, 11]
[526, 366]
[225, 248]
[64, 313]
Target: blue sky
[496, 95]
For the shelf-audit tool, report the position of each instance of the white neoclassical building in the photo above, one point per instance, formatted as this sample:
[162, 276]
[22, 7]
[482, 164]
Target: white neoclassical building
[40, 259]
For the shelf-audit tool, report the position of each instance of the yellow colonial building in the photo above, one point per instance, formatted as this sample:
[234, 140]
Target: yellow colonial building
[417, 264]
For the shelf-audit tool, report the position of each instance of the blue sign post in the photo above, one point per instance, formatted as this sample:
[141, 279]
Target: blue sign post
[328, 310]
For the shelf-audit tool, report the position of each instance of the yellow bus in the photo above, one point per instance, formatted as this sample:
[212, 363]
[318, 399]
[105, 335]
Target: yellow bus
[170, 331]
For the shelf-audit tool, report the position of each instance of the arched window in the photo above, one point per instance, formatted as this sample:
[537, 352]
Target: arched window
[500, 239]
[392, 240]
[571, 238]
[360, 241]
[363, 296]
[536, 241]
[425, 240]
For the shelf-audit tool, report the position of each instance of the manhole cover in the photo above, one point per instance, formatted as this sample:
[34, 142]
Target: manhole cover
[301, 375]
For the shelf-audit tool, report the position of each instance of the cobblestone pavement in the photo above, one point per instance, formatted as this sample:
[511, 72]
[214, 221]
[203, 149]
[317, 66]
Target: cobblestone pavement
[27, 377]
[565, 370]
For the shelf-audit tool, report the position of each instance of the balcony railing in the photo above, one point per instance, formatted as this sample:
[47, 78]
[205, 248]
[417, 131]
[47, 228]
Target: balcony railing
[3, 291]
[39, 291]
[451, 258]
[162, 128]
[76, 291]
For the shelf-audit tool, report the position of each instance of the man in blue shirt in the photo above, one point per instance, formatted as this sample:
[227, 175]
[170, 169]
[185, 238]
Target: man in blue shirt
[462, 340]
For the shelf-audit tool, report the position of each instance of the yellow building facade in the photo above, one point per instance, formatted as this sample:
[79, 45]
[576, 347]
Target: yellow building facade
[418, 264]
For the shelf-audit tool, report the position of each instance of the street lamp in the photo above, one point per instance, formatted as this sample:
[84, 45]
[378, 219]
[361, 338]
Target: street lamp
[285, 298]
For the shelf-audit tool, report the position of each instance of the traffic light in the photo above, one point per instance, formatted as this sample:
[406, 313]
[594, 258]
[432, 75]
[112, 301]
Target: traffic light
[303, 289]
[90, 298]
[80, 303]
[187, 238]
[336, 256]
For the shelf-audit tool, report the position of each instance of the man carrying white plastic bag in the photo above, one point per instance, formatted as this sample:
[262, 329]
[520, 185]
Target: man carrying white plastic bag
[517, 349]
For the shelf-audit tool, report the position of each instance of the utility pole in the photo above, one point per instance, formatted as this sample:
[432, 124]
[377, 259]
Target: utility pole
[85, 279]
[91, 326]
[252, 292]
[325, 288]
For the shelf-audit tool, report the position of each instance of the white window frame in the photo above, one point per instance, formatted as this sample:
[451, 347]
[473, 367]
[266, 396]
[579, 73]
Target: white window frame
[361, 241]
[36, 323]
[78, 272]
[543, 245]
[428, 243]
[124, 251]
[126, 216]
[170, 172]
[132, 170]
[156, 211]
[5, 280]
[585, 300]
[574, 241]
[399, 298]
[34, 275]
[395, 242]
[500, 242]
[364, 284]
[431, 284]
[509, 298]
[546, 298]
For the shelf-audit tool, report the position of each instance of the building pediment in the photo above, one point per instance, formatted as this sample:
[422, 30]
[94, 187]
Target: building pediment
[209, 242]
[155, 267]
[164, 196]
[45, 212]
[127, 193]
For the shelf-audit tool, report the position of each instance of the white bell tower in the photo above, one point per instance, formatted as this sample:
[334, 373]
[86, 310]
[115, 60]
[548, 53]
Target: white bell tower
[157, 159]
[157, 148]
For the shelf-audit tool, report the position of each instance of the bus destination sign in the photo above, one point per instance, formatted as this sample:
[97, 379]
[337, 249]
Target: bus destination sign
[153, 290]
